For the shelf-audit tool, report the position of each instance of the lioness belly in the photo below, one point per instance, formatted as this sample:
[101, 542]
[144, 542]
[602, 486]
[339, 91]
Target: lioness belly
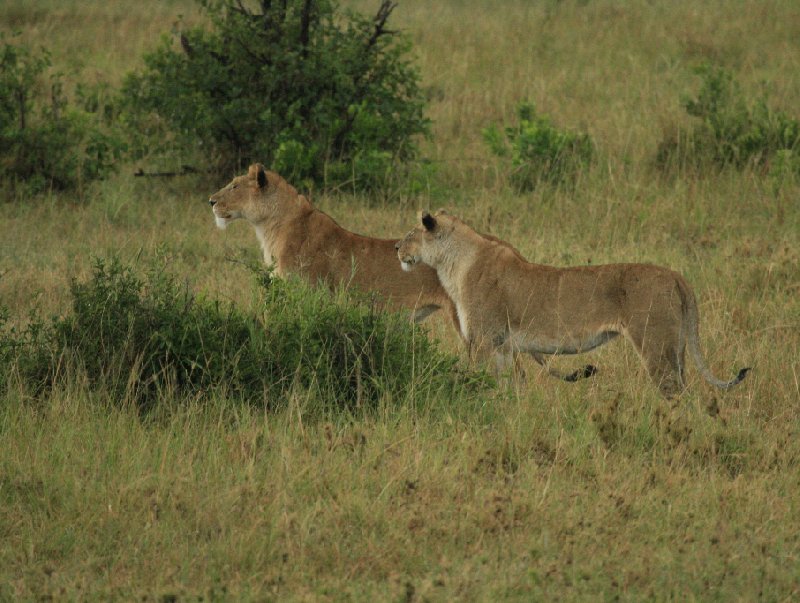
[565, 344]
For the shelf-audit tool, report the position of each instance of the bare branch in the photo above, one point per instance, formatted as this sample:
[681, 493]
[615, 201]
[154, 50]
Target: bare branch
[305, 25]
[54, 94]
[186, 45]
[386, 8]
[185, 169]
[21, 101]
[251, 53]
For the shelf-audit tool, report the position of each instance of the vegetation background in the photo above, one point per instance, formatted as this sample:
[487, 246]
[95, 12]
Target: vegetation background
[560, 491]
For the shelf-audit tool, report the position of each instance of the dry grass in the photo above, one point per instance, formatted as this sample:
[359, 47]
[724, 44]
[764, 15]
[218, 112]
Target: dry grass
[592, 490]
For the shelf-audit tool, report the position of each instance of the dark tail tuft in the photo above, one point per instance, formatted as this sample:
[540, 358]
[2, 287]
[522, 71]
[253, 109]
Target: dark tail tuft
[743, 373]
[584, 373]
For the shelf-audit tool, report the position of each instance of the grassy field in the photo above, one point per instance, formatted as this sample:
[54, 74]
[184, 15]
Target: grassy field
[594, 490]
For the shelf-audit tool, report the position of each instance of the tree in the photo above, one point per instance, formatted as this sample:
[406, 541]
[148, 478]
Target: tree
[318, 94]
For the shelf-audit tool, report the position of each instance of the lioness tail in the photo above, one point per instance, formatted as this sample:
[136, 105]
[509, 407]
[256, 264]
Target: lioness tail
[690, 328]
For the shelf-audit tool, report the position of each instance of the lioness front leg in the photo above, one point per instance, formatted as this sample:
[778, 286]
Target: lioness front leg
[584, 372]
[483, 349]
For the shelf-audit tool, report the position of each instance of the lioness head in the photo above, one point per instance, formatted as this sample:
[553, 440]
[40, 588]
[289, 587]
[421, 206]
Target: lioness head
[421, 243]
[254, 197]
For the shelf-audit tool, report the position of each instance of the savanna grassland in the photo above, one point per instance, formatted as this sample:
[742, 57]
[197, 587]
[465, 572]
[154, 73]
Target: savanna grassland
[552, 491]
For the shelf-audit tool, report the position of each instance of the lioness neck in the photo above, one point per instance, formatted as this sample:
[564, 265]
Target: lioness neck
[273, 229]
[455, 261]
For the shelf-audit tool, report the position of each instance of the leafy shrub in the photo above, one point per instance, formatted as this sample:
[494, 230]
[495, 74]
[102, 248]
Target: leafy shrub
[731, 131]
[45, 142]
[140, 336]
[319, 94]
[539, 152]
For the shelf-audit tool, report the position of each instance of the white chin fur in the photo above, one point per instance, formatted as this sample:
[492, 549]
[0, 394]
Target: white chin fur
[222, 223]
[406, 266]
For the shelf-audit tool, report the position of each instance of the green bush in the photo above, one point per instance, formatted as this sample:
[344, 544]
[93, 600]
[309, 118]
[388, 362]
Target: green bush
[730, 131]
[46, 142]
[353, 353]
[141, 336]
[539, 152]
[138, 336]
[319, 94]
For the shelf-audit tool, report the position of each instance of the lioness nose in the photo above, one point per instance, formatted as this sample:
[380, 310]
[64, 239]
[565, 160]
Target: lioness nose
[211, 202]
[397, 246]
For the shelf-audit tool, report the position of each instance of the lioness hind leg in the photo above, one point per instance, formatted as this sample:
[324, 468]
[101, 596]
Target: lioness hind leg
[662, 356]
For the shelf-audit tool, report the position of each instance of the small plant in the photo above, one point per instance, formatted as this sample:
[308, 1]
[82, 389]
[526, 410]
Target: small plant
[46, 142]
[539, 152]
[321, 95]
[784, 169]
[731, 131]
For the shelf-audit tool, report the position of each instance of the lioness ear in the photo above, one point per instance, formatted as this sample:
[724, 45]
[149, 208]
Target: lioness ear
[258, 173]
[428, 221]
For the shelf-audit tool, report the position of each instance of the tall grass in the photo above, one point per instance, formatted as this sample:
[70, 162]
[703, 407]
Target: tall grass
[594, 490]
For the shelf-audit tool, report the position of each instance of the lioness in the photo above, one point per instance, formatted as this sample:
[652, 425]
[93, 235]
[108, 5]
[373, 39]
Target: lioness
[507, 304]
[300, 239]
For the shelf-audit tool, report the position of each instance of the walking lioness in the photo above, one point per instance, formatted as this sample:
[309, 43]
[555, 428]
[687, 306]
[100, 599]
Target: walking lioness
[506, 304]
